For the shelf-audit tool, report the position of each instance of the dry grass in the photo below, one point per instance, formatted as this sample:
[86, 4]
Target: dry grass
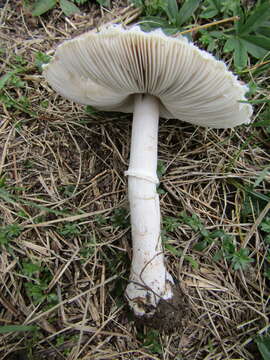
[63, 171]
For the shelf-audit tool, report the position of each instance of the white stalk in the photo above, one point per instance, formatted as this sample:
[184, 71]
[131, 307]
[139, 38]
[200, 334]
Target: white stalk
[149, 279]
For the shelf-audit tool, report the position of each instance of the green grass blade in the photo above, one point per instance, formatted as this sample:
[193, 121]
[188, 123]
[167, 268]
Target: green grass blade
[249, 190]
[258, 101]
[16, 328]
[11, 199]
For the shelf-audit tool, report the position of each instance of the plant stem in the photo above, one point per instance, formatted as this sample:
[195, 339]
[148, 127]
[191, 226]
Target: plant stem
[214, 23]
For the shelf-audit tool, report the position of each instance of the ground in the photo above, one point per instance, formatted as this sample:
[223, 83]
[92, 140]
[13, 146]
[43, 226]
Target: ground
[65, 235]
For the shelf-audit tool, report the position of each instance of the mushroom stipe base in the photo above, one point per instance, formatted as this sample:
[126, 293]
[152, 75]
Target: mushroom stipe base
[170, 315]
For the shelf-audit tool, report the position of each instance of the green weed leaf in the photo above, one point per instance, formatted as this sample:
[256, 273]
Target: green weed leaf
[267, 239]
[42, 6]
[201, 245]
[80, 2]
[171, 9]
[263, 174]
[70, 230]
[258, 40]
[152, 342]
[193, 221]
[230, 44]
[105, 3]
[173, 250]
[153, 22]
[264, 29]
[228, 247]
[263, 343]
[230, 7]
[240, 55]
[9, 232]
[211, 10]
[41, 59]
[239, 12]
[265, 225]
[68, 7]
[192, 262]
[36, 291]
[29, 268]
[259, 16]
[137, 3]
[187, 11]
[218, 256]
[253, 49]
[120, 218]
[240, 259]
[161, 168]
[170, 223]
[5, 78]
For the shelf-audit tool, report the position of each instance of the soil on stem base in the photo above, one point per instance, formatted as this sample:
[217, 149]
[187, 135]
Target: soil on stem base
[170, 315]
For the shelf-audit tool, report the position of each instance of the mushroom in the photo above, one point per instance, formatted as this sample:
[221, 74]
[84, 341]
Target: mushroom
[150, 75]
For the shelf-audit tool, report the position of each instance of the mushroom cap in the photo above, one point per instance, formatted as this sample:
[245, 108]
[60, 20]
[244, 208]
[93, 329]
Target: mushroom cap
[105, 69]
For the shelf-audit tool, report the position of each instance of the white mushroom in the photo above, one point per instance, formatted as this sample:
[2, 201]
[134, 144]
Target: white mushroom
[151, 75]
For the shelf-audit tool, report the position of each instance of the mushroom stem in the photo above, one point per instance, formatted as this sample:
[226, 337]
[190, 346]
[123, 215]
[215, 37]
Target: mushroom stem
[149, 280]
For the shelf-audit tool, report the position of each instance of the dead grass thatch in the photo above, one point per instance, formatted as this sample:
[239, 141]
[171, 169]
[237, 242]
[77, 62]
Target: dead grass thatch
[61, 182]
